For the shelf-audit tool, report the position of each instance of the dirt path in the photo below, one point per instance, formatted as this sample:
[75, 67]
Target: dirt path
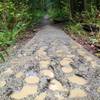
[51, 66]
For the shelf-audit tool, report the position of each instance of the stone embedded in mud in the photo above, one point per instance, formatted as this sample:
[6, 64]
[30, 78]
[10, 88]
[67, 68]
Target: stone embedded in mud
[24, 54]
[59, 97]
[32, 79]
[56, 85]
[68, 69]
[81, 52]
[9, 71]
[41, 96]
[26, 91]
[77, 93]
[41, 55]
[98, 89]
[66, 61]
[41, 52]
[20, 55]
[70, 56]
[19, 74]
[60, 53]
[31, 73]
[2, 84]
[93, 64]
[43, 48]
[78, 80]
[47, 73]
[44, 64]
[88, 58]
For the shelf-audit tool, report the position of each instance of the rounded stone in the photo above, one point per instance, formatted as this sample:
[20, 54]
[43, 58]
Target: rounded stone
[32, 79]
[59, 97]
[93, 64]
[47, 73]
[66, 61]
[41, 53]
[26, 91]
[77, 93]
[44, 64]
[60, 53]
[67, 69]
[44, 48]
[78, 80]
[88, 58]
[81, 52]
[41, 96]
[70, 56]
[19, 74]
[56, 85]
[8, 71]
[98, 89]
[20, 55]
[2, 84]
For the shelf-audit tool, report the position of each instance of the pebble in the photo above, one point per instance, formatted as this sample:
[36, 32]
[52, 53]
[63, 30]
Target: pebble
[98, 89]
[44, 64]
[78, 80]
[56, 85]
[32, 79]
[70, 56]
[94, 64]
[19, 74]
[60, 53]
[59, 97]
[88, 58]
[26, 91]
[65, 61]
[67, 69]
[41, 96]
[81, 52]
[2, 84]
[47, 73]
[77, 93]
[41, 52]
[20, 55]
[8, 71]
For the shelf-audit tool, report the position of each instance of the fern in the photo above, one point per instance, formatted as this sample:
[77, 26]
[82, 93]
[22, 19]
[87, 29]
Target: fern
[2, 57]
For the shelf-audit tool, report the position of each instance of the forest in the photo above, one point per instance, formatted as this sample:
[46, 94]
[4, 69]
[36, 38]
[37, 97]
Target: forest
[81, 19]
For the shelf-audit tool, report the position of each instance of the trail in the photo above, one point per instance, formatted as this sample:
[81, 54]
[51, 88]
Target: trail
[51, 66]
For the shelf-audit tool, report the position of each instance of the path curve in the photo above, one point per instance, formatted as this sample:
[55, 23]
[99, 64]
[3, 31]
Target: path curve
[51, 66]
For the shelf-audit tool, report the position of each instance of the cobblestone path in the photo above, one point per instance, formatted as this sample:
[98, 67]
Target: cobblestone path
[51, 66]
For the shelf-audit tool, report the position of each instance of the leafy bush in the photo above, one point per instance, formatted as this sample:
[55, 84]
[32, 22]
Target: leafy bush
[59, 10]
[76, 28]
[90, 16]
[15, 17]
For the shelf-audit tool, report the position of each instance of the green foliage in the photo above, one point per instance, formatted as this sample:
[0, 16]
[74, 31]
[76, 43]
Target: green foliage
[15, 17]
[2, 57]
[59, 9]
[90, 16]
[76, 28]
[8, 37]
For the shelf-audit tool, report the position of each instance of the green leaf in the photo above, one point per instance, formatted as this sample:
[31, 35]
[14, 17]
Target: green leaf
[2, 57]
